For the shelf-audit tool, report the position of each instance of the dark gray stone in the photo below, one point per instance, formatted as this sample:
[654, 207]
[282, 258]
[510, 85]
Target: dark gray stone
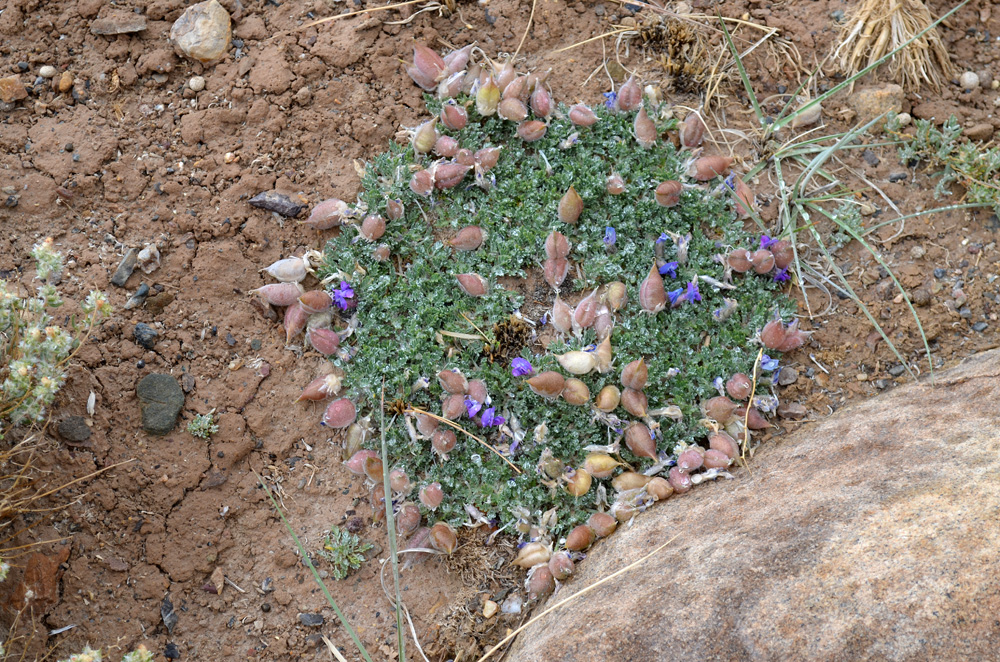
[898, 177]
[980, 326]
[145, 335]
[125, 268]
[74, 430]
[136, 299]
[162, 399]
[278, 203]
[870, 157]
[897, 370]
[311, 620]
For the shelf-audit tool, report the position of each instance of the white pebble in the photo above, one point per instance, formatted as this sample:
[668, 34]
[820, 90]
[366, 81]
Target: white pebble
[197, 83]
[904, 119]
[969, 80]
[48, 71]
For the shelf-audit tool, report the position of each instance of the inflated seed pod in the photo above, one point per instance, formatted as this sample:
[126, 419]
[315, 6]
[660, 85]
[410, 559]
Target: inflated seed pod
[541, 102]
[629, 95]
[457, 60]
[531, 130]
[720, 409]
[602, 327]
[783, 253]
[659, 488]
[562, 316]
[444, 538]
[581, 115]
[570, 207]
[488, 98]
[692, 131]
[324, 341]
[517, 88]
[422, 182]
[473, 284]
[608, 398]
[600, 465]
[690, 460]
[425, 136]
[377, 500]
[585, 313]
[451, 87]
[340, 413]
[289, 270]
[400, 482]
[352, 441]
[419, 540]
[739, 260]
[532, 554]
[762, 261]
[315, 301]
[512, 110]
[629, 480]
[328, 214]
[603, 351]
[644, 129]
[615, 185]
[635, 402]
[454, 116]
[652, 295]
[443, 441]
[680, 481]
[624, 512]
[449, 175]
[739, 386]
[635, 375]
[453, 381]
[668, 193]
[280, 294]
[754, 420]
[487, 157]
[640, 440]
[743, 197]
[394, 209]
[794, 338]
[373, 468]
[575, 392]
[465, 157]
[577, 362]
[557, 246]
[426, 425]
[555, 271]
[540, 583]
[295, 321]
[716, 459]
[602, 524]
[321, 388]
[431, 495]
[548, 384]
[468, 238]
[477, 391]
[616, 295]
[578, 483]
[722, 442]
[561, 565]
[446, 146]
[773, 334]
[407, 518]
[453, 407]
[580, 538]
[428, 67]
[356, 465]
[709, 167]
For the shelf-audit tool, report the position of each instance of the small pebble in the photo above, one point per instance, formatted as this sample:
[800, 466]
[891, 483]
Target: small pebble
[969, 80]
[145, 335]
[23, 66]
[897, 370]
[66, 82]
[197, 83]
[920, 296]
[311, 620]
[255, 345]
[266, 607]
[940, 273]
[48, 71]
[490, 609]
[897, 177]
[904, 119]
[980, 326]
[861, 377]
[787, 376]
[837, 15]
[870, 157]
[125, 268]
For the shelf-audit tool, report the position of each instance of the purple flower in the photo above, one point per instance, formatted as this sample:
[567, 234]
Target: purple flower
[610, 236]
[472, 407]
[676, 297]
[610, 98]
[767, 242]
[342, 295]
[662, 238]
[781, 275]
[768, 364]
[669, 269]
[491, 419]
[692, 291]
[520, 367]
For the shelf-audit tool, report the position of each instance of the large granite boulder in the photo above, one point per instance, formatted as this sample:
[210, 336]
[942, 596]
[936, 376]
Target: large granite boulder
[872, 535]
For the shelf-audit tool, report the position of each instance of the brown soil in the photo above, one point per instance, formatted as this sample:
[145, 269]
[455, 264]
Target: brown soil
[297, 107]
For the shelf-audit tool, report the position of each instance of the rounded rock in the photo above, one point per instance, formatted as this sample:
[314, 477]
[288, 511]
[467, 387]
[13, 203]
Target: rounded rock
[48, 71]
[203, 32]
[969, 80]
[197, 83]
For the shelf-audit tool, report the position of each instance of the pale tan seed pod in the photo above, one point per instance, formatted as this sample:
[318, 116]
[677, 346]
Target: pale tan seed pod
[723, 443]
[602, 524]
[629, 95]
[399, 482]
[581, 115]
[762, 261]
[449, 175]
[531, 130]
[716, 459]
[635, 402]
[555, 271]
[608, 398]
[624, 513]
[570, 207]
[707, 168]
[562, 316]
[373, 468]
[453, 407]
[373, 227]
[690, 460]
[340, 414]
[548, 384]
[616, 295]
[468, 238]
[644, 129]
[473, 284]
[720, 409]
[603, 351]
[557, 246]
[561, 566]
[431, 495]
[280, 294]
[488, 98]
[512, 110]
[289, 270]
[739, 386]
[315, 301]
[635, 375]
[602, 327]
[580, 538]
[425, 136]
[407, 518]
[680, 481]
[640, 440]
[668, 193]
[532, 554]
[579, 483]
[630, 480]
[600, 465]
[454, 116]
[659, 488]
[377, 500]
[328, 214]
[352, 442]
[615, 185]
[575, 392]
[540, 583]
[426, 425]
[577, 362]
[515, 89]
[692, 131]
[444, 538]
[652, 295]
[453, 381]
[739, 260]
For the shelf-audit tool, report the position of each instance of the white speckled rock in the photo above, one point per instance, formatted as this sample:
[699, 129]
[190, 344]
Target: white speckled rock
[203, 32]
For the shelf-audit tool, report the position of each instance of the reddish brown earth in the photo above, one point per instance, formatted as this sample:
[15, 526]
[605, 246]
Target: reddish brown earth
[296, 108]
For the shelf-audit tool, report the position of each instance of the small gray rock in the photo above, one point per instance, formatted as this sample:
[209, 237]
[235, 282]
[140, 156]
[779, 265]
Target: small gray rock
[144, 335]
[787, 376]
[980, 326]
[136, 299]
[311, 620]
[74, 430]
[162, 399]
[897, 370]
[277, 202]
[125, 268]
[897, 177]
[870, 157]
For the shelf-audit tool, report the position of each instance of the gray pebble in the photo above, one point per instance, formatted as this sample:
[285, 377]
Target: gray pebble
[787, 376]
[278, 203]
[897, 177]
[162, 398]
[940, 273]
[897, 370]
[136, 299]
[837, 15]
[125, 268]
[74, 429]
[599, 10]
[230, 340]
[980, 326]
[311, 620]
[144, 335]
[870, 157]
[255, 345]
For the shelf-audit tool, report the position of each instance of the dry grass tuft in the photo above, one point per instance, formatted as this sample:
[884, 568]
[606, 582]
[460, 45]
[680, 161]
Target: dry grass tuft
[878, 27]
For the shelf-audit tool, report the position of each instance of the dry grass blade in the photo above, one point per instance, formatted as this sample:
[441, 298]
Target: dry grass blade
[359, 12]
[878, 27]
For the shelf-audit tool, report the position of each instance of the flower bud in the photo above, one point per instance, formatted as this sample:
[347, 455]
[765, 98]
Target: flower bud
[635, 375]
[532, 554]
[425, 136]
[548, 384]
[719, 409]
[356, 465]
[541, 102]
[680, 481]
[373, 227]
[716, 459]
[394, 209]
[562, 316]
[659, 488]
[540, 583]
[578, 483]
[399, 482]
[652, 295]
[668, 193]
[629, 95]
[473, 284]
[739, 260]
[468, 238]
[454, 116]
[608, 398]
[577, 362]
[692, 131]
[600, 465]
[709, 167]
[739, 386]
[446, 146]
[630, 480]
[444, 538]
[555, 271]
[644, 129]
[690, 460]
[408, 518]
[602, 524]
[531, 130]
[557, 245]
[581, 115]
[422, 182]
[561, 566]
[340, 413]
[635, 402]
[615, 184]
[431, 495]
[575, 392]
[722, 442]
[640, 441]
[580, 538]
[762, 261]
[488, 98]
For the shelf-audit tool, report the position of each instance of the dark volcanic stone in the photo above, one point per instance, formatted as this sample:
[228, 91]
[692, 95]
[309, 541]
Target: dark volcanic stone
[125, 268]
[162, 398]
[278, 203]
[74, 429]
[144, 335]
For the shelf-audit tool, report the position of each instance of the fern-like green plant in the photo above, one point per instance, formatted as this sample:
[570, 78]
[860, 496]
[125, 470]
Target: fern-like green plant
[344, 550]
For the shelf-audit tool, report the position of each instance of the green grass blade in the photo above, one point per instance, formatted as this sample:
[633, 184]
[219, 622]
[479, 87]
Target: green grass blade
[970, 205]
[743, 72]
[309, 564]
[390, 525]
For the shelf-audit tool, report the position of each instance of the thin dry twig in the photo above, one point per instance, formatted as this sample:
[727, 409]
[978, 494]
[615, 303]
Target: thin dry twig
[441, 419]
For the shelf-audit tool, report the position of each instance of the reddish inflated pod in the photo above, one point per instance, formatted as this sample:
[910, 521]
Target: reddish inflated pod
[635, 402]
[321, 388]
[468, 238]
[422, 182]
[652, 295]
[644, 129]
[709, 167]
[426, 425]
[324, 341]
[315, 301]
[394, 209]
[356, 465]
[739, 260]
[615, 185]
[487, 157]
[635, 375]
[399, 482]
[444, 538]
[561, 566]
[659, 488]
[608, 398]
[744, 198]
[449, 175]
[690, 460]
[450, 86]
[377, 499]
[327, 214]
[562, 316]
[428, 67]
[616, 295]
[473, 284]
[295, 321]
[603, 324]
[531, 130]
[773, 334]
[477, 391]
[505, 74]
[640, 440]
[419, 540]
[540, 583]
[580, 538]
[793, 337]
[783, 253]
[753, 419]
[512, 110]
[280, 294]
[465, 157]
[340, 413]
[431, 495]
[446, 146]
[739, 386]
[454, 116]
[457, 60]
[629, 95]
[680, 481]
[516, 89]
[555, 271]
[373, 468]
[453, 381]
[723, 443]
[575, 392]
[762, 261]
[548, 384]
[453, 407]
[407, 518]
[602, 524]
[581, 115]
[541, 102]
[716, 459]
[557, 245]
[585, 313]
[372, 228]
[668, 193]
[719, 409]
[692, 131]
[443, 441]
[381, 253]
